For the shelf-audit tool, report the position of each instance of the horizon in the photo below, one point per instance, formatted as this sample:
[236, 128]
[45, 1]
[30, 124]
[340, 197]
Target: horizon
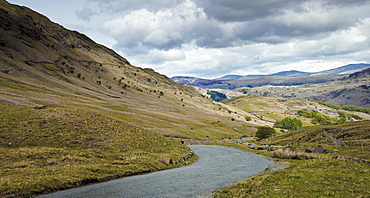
[272, 73]
[209, 40]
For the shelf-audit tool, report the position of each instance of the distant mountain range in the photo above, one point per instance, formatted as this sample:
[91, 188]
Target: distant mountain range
[347, 69]
[284, 78]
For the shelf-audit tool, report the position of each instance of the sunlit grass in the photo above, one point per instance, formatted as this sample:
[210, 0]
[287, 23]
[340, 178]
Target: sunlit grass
[61, 147]
[311, 174]
[306, 178]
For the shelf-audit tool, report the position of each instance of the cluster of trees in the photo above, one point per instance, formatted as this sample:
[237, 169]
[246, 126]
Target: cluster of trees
[289, 123]
[264, 132]
[347, 107]
[286, 123]
[356, 108]
[217, 96]
[317, 117]
[344, 117]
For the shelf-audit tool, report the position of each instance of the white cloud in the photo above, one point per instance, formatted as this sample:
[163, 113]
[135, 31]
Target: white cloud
[163, 29]
[212, 38]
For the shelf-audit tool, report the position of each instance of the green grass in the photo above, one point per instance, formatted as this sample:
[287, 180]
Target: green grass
[317, 177]
[306, 178]
[355, 136]
[58, 147]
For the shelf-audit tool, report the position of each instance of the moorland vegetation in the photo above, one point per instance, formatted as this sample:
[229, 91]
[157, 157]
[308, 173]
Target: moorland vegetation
[99, 118]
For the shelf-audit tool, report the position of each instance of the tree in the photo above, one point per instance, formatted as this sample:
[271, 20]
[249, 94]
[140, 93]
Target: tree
[289, 123]
[217, 96]
[264, 132]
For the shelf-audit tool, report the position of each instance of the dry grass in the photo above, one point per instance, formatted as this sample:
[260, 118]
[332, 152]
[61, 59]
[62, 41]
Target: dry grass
[288, 154]
[57, 148]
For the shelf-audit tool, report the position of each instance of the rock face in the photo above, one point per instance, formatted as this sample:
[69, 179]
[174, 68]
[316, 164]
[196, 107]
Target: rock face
[320, 149]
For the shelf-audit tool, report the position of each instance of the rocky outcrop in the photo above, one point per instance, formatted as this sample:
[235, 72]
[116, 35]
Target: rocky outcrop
[185, 157]
[354, 159]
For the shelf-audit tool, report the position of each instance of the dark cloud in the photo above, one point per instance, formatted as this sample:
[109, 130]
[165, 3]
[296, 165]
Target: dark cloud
[269, 32]
[244, 10]
[221, 23]
[124, 6]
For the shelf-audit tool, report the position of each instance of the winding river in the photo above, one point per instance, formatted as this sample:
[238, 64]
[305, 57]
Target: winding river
[216, 168]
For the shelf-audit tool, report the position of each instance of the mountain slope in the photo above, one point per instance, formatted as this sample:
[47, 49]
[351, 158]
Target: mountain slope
[347, 69]
[270, 108]
[43, 63]
[352, 90]
[104, 118]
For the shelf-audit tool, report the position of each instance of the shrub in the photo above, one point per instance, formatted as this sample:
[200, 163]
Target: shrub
[329, 105]
[317, 117]
[248, 118]
[356, 117]
[265, 132]
[289, 123]
[288, 154]
[356, 108]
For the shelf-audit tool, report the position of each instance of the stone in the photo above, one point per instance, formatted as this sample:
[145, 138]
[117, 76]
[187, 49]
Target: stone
[309, 150]
[261, 148]
[320, 149]
[40, 107]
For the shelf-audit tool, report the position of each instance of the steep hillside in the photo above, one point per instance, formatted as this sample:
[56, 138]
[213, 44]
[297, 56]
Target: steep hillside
[100, 117]
[43, 63]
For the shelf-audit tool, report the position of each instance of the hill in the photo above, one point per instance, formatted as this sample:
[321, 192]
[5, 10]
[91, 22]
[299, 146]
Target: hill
[347, 69]
[276, 79]
[270, 108]
[256, 81]
[351, 90]
[97, 118]
[74, 112]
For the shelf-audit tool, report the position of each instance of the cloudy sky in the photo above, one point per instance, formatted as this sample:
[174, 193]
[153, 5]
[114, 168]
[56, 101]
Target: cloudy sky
[212, 38]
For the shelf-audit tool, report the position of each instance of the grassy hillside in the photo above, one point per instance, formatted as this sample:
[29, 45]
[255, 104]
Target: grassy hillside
[270, 108]
[321, 175]
[306, 178]
[57, 148]
[104, 118]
